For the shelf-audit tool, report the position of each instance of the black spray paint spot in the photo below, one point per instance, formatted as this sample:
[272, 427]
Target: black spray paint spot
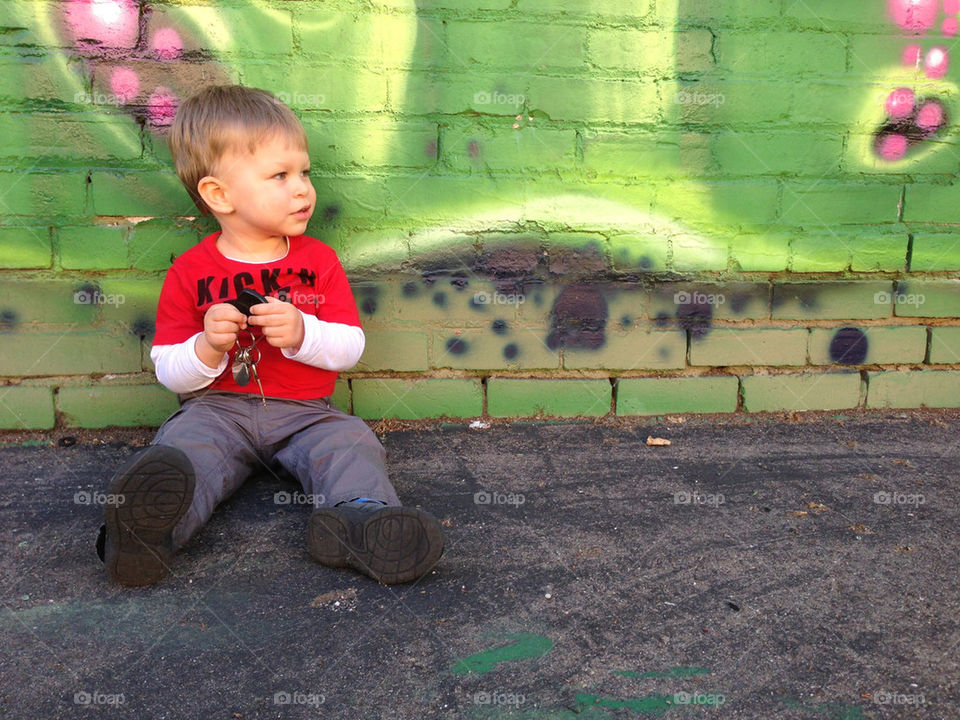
[456, 346]
[142, 327]
[440, 299]
[578, 319]
[410, 289]
[848, 346]
[8, 320]
[511, 351]
[499, 326]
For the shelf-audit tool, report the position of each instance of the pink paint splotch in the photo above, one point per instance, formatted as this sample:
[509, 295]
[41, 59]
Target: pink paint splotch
[912, 120]
[106, 23]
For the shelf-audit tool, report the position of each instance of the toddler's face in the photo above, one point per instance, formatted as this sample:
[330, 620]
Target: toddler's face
[269, 190]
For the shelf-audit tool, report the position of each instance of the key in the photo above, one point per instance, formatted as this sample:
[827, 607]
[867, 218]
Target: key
[256, 376]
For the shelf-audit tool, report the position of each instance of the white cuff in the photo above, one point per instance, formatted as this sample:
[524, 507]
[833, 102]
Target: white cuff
[328, 345]
[179, 368]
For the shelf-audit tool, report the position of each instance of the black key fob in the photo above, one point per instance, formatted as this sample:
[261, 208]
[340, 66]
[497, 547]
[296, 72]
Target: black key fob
[246, 300]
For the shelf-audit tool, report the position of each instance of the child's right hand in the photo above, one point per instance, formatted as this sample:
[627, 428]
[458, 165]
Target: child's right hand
[221, 325]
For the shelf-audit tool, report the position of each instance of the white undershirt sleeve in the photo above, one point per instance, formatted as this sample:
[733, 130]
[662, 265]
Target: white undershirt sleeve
[328, 345]
[180, 370]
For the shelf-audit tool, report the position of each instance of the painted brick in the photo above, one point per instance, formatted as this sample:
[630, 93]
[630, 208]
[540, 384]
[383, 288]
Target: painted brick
[48, 77]
[746, 202]
[645, 51]
[512, 397]
[781, 53]
[341, 395]
[931, 298]
[930, 204]
[773, 152]
[154, 244]
[935, 251]
[319, 87]
[633, 350]
[94, 134]
[394, 350]
[26, 408]
[768, 393]
[658, 396]
[416, 197]
[120, 405]
[835, 203]
[945, 345]
[25, 247]
[733, 12]
[609, 8]
[593, 99]
[706, 301]
[71, 352]
[51, 301]
[337, 143]
[412, 399]
[333, 35]
[242, 29]
[639, 252]
[760, 253]
[728, 102]
[691, 252]
[823, 250]
[882, 345]
[816, 102]
[482, 44]
[483, 349]
[734, 346]
[826, 15]
[479, 149]
[139, 193]
[135, 304]
[934, 389]
[41, 194]
[831, 301]
[658, 155]
[101, 247]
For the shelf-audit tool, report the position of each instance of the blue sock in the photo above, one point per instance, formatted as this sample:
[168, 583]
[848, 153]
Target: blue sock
[363, 500]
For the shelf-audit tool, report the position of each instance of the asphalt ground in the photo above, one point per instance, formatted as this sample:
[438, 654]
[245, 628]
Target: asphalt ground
[757, 567]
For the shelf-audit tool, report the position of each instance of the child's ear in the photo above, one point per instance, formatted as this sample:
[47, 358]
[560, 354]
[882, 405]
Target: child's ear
[214, 195]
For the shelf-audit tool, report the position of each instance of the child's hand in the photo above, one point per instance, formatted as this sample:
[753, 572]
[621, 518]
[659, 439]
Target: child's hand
[221, 324]
[282, 323]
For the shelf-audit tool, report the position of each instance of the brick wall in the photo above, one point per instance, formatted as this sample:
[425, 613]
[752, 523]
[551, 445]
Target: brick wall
[558, 207]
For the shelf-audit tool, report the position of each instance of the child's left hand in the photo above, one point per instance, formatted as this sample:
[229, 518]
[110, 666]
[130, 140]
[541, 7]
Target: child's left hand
[282, 323]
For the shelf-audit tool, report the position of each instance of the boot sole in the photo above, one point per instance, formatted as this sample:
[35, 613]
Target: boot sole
[393, 545]
[156, 488]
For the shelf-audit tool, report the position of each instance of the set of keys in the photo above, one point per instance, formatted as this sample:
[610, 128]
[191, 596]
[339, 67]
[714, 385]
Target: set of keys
[245, 367]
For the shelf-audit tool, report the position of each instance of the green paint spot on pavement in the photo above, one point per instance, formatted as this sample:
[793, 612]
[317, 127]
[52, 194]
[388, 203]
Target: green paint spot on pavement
[675, 672]
[526, 646]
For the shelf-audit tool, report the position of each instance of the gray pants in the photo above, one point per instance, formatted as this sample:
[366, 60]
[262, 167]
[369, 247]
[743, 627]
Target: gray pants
[229, 436]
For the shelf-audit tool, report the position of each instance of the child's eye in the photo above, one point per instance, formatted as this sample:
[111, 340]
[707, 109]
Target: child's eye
[306, 173]
[281, 175]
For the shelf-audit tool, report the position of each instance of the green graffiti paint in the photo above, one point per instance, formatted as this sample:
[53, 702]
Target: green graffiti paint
[675, 672]
[833, 711]
[649, 705]
[526, 646]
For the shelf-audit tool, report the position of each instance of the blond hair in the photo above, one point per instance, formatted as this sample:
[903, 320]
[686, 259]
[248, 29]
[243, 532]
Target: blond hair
[225, 118]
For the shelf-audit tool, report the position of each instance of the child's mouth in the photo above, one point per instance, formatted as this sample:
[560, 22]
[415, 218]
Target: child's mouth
[303, 213]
